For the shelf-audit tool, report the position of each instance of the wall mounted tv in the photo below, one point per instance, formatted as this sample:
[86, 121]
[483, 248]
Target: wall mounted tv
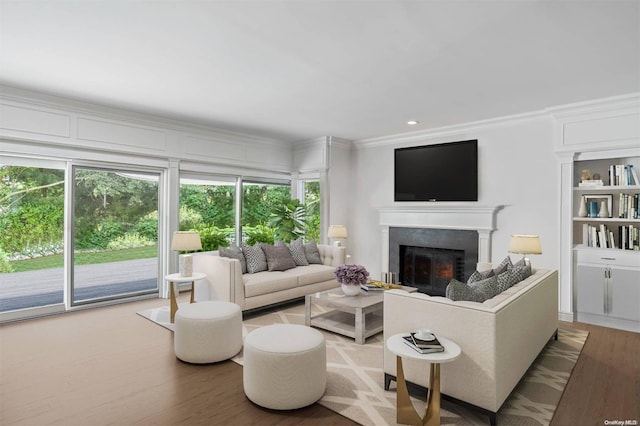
[441, 172]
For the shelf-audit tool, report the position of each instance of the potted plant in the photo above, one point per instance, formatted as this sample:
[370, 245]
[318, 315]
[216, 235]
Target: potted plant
[351, 277]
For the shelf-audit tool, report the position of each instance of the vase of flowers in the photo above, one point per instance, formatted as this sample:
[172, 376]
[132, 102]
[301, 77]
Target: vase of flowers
[351, 277]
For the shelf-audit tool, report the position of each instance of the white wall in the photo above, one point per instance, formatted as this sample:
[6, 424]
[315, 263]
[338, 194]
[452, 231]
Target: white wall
[517, 168]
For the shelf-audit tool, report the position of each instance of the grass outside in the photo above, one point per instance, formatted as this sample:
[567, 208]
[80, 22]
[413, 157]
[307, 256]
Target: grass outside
[107, 256]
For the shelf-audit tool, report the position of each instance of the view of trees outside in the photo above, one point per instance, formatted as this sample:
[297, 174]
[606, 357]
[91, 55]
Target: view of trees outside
[116, 220]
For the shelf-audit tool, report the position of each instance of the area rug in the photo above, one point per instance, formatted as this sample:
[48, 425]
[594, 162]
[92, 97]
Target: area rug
[355, 377]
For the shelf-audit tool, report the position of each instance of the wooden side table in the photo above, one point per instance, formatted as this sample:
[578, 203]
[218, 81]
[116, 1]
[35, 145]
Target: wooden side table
[406, 412]
[177, 278]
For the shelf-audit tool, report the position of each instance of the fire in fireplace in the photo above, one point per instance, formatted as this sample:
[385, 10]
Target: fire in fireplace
[430, 269]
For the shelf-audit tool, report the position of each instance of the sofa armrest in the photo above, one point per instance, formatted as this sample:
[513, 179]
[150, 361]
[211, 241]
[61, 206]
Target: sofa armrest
[223, 276]
[331, 255]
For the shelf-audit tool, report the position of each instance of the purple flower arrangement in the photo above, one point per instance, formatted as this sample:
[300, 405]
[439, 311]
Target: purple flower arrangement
[351, 274]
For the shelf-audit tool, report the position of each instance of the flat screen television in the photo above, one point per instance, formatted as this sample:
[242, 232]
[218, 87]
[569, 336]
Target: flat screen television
[440, 172]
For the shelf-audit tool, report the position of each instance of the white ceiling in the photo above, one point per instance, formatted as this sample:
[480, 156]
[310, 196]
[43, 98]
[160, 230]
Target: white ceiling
[296, 70]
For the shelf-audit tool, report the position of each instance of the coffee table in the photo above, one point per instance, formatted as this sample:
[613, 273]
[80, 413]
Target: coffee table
[357, 317]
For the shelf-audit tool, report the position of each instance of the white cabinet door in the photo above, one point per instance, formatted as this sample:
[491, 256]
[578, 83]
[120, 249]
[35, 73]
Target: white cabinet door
[624, 294]
[591, 289]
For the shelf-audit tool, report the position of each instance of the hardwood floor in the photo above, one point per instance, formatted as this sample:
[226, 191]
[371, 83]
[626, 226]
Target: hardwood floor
[111, 366]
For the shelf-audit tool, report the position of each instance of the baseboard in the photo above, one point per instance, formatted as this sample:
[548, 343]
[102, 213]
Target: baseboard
[566, 316]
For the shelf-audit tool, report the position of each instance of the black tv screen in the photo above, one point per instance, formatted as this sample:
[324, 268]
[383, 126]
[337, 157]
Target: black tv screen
[441, 172]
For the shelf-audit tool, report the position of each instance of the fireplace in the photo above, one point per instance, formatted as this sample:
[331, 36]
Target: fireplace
[429, 258]
[430, 269]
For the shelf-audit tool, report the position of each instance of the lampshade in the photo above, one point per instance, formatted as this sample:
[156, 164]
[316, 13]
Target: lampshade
[525, 244]
[337, 231]
[186, 240]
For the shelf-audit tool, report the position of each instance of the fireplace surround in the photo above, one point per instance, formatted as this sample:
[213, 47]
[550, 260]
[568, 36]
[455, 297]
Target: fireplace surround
[457, 226]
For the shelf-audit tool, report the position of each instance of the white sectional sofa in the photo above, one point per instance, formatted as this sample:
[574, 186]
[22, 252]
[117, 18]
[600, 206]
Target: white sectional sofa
[225, 280]
[499, 338]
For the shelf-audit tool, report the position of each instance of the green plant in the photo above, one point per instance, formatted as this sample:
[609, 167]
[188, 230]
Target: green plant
[5, 265]
[259, 234]
[128, 241]
[147, 226]
[189, 218]
[288, 220]
[212, 237]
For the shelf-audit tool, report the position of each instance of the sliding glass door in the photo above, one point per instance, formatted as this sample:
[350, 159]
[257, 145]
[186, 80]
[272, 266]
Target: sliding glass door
[31, 234]
[115, 234]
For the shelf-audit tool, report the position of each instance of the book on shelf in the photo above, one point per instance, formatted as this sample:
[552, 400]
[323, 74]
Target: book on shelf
[622, 175]
[591, 183]
[423, 346]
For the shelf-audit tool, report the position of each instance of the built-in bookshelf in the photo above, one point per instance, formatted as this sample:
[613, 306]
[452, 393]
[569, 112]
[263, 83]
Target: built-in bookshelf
[606, 212]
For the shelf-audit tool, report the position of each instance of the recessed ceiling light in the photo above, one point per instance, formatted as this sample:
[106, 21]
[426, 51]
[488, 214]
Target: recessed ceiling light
[412, 122]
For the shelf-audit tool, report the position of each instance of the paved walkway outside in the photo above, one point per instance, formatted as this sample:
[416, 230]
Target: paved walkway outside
[19, 290]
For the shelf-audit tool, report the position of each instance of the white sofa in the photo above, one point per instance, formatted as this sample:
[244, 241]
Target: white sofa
[499, 338]
[225, 280]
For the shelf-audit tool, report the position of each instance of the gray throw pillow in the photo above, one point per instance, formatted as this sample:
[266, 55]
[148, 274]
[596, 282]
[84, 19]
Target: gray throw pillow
[296, 247]
[256, 260]
[278, 257]
[479, 276]
[312, 253]
[234, 252]
[503, 266]
[475, 292]
[508, 278]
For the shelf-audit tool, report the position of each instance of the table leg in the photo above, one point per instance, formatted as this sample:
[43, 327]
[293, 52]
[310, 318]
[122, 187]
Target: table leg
[360, 327]
[192, 293]
[432, 415]
[405, 411]
[173, 304]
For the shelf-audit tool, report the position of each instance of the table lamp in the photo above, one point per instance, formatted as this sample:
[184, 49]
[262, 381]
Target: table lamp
[336, 232]
[525, 244]
[185, 241]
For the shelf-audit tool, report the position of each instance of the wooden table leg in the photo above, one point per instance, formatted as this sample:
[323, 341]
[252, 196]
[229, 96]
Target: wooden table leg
[405, 411]
[173, 304]
[192, 293]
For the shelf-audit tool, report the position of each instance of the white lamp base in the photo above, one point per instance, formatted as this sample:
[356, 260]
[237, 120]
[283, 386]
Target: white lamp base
[337, 243]
[186, 265]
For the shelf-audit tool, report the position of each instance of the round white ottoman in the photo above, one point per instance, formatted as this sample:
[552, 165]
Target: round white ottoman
[208, 331]
[285, 366]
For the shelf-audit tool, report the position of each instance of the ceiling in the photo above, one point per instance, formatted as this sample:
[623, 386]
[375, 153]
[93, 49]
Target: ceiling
[295, 70]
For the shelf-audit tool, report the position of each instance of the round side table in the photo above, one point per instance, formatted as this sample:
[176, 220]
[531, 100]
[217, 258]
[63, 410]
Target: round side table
[406, 413]
[177, 278]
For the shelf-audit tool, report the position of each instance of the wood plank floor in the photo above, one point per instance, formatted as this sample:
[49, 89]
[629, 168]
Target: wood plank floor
[110, 366]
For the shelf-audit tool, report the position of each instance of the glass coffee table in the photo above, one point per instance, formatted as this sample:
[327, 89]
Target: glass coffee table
[357, 317]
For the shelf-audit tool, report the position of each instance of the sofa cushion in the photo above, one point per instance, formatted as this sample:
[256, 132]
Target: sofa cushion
[278, 257]
[503, 266]
[313, 274]
[266, 282]
[296, 247]
[234, 252]
[474, 292]
[256, 260]
[312, 253]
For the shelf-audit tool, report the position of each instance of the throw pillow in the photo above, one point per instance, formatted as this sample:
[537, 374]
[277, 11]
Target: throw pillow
[234, 252]
[312, 253]
[503, 266]
[508, 278]
[479, 276]
[475, 292]
[296, 248]
[278, 257]
[256, 260]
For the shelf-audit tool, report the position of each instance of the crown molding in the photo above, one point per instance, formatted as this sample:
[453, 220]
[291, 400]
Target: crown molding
[62, 104]
[614, 103]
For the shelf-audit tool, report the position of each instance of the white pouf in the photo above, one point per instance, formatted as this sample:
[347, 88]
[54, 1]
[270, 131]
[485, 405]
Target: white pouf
[208, 331]
[285, 366]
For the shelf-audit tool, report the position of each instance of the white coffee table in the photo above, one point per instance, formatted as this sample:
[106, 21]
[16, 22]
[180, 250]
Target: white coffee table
[357, 317]
[406, 412]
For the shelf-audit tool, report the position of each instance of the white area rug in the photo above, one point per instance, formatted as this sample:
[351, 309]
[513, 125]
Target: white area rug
[355, 377]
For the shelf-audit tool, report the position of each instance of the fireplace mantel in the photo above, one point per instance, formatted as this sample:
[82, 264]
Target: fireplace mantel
[464, 216]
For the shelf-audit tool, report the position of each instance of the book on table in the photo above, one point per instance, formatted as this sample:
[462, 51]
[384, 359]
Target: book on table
[371, 287]
[423, 346]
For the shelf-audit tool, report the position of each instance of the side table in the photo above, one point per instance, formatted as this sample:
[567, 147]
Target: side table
[177, 278]
[406, 413]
